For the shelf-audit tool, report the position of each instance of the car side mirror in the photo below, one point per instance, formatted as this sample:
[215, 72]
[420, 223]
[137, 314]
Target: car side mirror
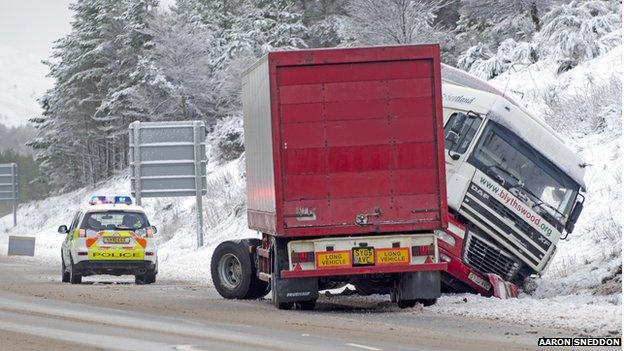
[63, 229]
[154, 229]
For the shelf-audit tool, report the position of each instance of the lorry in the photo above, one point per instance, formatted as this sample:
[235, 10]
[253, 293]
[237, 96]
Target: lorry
[514, 188]
[345, 168]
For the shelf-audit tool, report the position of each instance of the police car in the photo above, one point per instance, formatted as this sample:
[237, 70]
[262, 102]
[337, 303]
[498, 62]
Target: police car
[110, 236]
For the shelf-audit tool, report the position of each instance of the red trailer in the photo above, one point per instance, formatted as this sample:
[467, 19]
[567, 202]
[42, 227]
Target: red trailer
[345, 176]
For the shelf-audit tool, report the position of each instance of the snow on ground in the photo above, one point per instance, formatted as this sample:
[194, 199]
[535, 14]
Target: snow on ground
[174, 217]
[584, 314]
[581, 291]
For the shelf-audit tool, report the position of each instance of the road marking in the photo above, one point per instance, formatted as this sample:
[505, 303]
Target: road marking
[363, 346]
[187, 348]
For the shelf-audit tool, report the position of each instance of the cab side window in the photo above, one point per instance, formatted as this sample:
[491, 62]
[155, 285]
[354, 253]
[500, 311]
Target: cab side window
[465, 126]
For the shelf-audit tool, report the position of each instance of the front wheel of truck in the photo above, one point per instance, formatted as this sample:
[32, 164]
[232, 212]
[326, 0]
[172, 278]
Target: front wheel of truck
[231, 269]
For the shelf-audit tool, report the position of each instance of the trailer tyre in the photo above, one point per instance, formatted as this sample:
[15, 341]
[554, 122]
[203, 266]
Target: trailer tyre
[406, 303]
[306, 305]
[257, 287]
[231, 269]
[427, 302]
[278, 261]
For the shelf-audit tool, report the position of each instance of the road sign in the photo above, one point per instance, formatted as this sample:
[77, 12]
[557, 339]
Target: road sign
[21, 246]
[8, 186]
[169, 159]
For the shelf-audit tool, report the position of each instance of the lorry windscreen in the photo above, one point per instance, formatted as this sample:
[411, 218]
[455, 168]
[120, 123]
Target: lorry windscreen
[524, 172]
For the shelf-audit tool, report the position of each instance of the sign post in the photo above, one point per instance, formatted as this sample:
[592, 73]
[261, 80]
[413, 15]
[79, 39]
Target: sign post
[8, 186]
[169, 159]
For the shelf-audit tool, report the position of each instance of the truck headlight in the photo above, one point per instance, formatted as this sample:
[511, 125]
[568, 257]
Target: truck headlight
[446, 237]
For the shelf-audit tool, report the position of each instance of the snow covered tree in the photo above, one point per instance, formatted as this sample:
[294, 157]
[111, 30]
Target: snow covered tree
[374, 22]
[98, 69]
[580, 31]
[505, 28]
[325, 20]
[481, 62]
[65, 134]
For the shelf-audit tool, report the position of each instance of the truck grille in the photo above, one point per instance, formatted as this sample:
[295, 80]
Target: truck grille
[486, 257]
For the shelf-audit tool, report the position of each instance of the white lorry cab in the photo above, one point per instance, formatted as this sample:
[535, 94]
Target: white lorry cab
[511, 180]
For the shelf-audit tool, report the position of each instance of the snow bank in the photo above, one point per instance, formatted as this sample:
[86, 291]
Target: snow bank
[224, 218]
[585, 315]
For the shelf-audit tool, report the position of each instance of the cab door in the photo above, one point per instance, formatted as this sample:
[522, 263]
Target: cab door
[460, 131]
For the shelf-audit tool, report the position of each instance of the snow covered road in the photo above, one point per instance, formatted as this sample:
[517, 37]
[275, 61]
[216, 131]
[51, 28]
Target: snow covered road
[175, 313]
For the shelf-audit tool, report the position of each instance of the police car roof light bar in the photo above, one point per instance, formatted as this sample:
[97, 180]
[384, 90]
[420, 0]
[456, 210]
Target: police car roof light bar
[116, 200]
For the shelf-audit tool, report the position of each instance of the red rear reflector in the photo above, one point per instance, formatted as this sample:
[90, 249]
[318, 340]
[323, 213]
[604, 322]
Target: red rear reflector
[82, 253]
[423, 250]
[149, 253]
[82, 233]
[301, 257]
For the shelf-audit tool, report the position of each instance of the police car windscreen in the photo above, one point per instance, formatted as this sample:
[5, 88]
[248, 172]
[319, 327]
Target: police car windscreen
[115, 220]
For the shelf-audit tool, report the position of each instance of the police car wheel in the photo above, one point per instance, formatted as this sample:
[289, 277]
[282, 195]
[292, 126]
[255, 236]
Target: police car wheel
[64, 273]
[231, 269]
[74, 277]
[147, 278]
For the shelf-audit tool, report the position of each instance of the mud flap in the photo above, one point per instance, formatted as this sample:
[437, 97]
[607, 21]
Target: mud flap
[419, 285]
[296, 289]
[501, 288]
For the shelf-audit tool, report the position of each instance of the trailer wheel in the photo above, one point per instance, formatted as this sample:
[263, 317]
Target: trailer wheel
[257, 288]
[306, 305]
[231, 269]
[406, 303]
[277, 258]
[427, 302]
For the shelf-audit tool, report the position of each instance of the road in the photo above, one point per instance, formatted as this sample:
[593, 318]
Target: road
[38, 312]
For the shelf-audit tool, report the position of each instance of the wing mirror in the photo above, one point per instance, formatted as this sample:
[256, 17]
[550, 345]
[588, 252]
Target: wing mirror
[452, 137]
[574, 216]
[63, 229]
[458, 122]
[154, 229]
